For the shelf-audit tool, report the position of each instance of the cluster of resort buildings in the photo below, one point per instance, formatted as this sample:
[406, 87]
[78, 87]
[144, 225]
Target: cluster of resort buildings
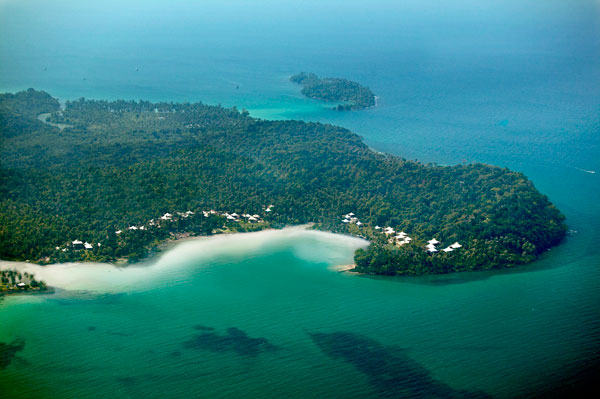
[398, 239]
[231, 217]
[401, 238]
[431, 246]
[351, 218]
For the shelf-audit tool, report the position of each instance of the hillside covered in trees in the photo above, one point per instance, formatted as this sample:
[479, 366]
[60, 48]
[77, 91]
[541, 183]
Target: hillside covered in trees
[127, 175]
[353, 95]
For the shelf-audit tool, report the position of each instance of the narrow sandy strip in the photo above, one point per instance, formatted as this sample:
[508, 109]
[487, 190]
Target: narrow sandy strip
[105, 277]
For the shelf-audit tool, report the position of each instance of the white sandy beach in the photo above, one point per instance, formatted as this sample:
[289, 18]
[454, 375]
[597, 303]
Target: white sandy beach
[104, 277]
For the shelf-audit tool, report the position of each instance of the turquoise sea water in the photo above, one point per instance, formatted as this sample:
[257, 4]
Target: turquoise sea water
[514, 84]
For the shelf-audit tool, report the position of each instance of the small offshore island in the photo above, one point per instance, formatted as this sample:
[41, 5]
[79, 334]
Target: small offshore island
[355, 95]
[122, 177]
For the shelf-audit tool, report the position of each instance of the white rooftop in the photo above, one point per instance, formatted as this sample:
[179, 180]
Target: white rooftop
[455, 245]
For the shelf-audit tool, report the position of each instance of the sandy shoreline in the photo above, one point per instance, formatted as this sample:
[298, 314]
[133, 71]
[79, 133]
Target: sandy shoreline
[347, 269]
[179, 254]
[343, 268]
[181, 238]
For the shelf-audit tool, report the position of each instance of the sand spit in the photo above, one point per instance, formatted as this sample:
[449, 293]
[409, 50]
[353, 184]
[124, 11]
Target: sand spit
[183, 254]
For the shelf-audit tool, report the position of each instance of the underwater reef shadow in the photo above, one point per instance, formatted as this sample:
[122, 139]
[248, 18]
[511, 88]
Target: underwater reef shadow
[233, 340]
[8, 352]
[389, 370]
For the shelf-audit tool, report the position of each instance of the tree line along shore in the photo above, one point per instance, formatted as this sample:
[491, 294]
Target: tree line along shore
[118, 165]
[13, 281]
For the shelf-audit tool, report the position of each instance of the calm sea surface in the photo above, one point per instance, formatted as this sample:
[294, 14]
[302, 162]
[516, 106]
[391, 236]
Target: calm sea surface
[514, 84]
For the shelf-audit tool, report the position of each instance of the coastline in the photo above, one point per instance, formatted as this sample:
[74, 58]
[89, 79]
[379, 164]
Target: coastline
[184, 237]
[347, 269]
[181, 238]
[176, 257]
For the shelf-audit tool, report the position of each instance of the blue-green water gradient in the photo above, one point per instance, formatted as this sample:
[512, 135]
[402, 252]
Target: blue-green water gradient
[511, 83]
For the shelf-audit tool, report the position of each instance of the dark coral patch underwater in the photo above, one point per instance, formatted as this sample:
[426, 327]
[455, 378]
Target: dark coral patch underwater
[9, 351]
[234, 340]
[390, 371]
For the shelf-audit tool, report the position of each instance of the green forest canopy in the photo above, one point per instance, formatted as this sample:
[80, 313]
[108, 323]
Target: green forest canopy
[124, 163]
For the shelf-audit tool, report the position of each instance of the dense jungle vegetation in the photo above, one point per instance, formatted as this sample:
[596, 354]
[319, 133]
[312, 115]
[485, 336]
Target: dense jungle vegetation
[122, 165]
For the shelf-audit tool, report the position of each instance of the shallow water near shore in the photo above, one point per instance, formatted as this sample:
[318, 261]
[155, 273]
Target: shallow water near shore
[270, 318]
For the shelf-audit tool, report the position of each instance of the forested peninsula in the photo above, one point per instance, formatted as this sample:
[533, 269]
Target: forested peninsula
[354, 95]
[123, 176]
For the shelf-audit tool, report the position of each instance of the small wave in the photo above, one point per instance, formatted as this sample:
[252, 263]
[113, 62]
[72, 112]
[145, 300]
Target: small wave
[584, 170]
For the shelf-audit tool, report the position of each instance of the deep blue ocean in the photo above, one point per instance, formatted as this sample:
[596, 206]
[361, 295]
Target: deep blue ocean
[509, 83]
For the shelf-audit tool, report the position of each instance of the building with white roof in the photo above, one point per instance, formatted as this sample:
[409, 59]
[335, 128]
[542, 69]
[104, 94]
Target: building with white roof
[456, 245]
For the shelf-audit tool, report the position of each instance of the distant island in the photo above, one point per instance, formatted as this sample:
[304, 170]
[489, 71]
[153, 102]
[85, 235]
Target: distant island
[122, 177]
[354, 95]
